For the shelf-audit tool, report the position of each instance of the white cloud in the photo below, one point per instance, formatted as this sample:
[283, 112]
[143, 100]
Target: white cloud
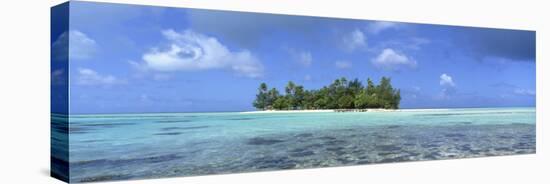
[448, 85]
[379, 26]
[138, 66]
[75, 43]
[190, 51]
[60, 47]
[526, 92]
[413, 43]
[89, 77]
[342, 64]
[391, 60]
[446, 80]
[57, 77]
[354, 40]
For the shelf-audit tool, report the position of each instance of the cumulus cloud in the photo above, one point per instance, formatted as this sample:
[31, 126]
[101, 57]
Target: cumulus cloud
[446, 80]
[74, 43]
[191, 51]
[448, 86]
[89, 77]
[391, 60]
[354, 40]
[342, 64]
[58, 77]
[379, 26]
[412, 43]
[60, 47]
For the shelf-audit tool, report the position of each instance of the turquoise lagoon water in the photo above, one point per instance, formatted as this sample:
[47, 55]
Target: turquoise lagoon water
[136, 146]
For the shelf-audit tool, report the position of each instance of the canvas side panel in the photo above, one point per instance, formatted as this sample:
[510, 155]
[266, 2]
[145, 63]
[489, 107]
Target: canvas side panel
[59, 92]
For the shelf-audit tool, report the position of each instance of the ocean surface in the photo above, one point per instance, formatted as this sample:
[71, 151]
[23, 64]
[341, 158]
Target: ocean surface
[138, 146]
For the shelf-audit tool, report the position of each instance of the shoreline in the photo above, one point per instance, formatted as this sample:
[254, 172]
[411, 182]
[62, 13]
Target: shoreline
[320, 110]
[350, 110]
[298, 111]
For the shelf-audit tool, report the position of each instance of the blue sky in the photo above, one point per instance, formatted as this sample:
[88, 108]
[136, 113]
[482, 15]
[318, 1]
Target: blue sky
[126, 58]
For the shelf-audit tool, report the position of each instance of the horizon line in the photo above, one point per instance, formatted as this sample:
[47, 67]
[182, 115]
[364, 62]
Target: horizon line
[171, 112]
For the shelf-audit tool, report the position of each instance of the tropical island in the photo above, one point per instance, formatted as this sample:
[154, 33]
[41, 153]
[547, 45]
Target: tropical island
[340, 95]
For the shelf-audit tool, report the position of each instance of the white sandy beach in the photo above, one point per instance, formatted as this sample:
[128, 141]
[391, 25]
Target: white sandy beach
[343, 110]
[321, 110]
[287, 111]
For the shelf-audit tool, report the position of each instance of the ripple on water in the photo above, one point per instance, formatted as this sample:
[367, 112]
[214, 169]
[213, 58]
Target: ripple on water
[169, 133]
[263, 141]
[173, 121]
[183, 128]
[303, 153]
[327, 138]
[240, 119]
[465, 148]
[271, 162]
[335, 142]
[395, 159]
[106, 125]
[432, 155]
[522, 145]
[80, 130]
[105, 178]
[429, 145]
[120, 162]
[454, 135]
[304, 135]
[394, 126]
[382, 144]
[334, 149]
[503, 149]
[390, 148]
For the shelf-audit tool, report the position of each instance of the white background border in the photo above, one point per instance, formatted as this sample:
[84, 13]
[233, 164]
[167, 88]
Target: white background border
[24, 90]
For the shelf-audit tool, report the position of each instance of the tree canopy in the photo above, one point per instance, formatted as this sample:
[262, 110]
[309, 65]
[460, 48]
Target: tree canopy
[341, 94]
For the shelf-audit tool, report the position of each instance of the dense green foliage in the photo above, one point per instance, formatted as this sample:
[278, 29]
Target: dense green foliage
[341, 94]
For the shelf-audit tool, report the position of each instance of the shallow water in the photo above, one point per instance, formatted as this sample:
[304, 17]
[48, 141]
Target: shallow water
[135, 146]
